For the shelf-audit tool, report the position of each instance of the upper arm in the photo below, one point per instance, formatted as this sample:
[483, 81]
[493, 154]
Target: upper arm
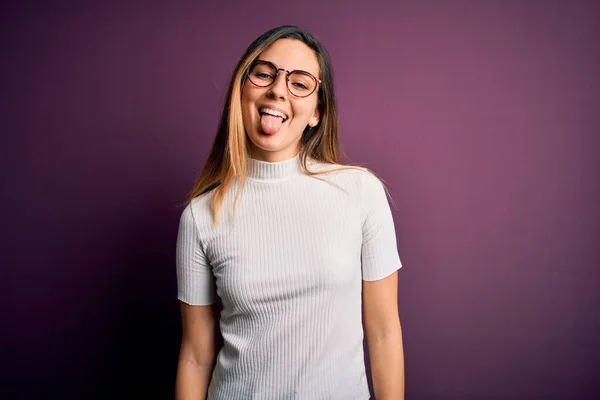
[199, 333]
[380, 306]
[380, 261]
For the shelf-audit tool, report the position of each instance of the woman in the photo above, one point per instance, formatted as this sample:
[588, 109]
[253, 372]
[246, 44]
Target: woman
[294, 244]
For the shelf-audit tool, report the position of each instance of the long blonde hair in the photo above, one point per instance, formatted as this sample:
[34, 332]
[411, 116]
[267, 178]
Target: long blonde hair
[228, 158]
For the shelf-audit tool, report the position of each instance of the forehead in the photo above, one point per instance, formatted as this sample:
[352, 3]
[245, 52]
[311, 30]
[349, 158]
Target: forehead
[291, 54]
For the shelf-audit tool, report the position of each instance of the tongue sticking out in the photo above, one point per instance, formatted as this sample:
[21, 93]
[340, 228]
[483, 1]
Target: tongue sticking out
[270, 124]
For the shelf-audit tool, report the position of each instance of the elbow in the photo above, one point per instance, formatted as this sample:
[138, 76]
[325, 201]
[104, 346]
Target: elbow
[201, 359]
[198, 354]
[384, 333]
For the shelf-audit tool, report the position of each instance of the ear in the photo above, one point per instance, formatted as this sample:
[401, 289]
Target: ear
[314, 120]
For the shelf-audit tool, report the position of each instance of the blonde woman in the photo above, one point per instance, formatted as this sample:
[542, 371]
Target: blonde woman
[298, 248]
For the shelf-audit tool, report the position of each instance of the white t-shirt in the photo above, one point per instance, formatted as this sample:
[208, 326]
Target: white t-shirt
[288, 266]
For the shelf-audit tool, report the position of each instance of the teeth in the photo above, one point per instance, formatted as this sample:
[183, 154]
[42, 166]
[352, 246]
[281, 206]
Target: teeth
[273, 112]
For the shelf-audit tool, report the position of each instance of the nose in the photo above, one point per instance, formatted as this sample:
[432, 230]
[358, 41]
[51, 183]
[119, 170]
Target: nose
[278, 89]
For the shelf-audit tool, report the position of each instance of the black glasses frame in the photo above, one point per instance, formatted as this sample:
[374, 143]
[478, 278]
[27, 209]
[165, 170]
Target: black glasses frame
[287, 77]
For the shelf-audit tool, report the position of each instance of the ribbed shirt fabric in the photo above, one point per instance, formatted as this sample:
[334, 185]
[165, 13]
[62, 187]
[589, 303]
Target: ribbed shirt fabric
[288, 265]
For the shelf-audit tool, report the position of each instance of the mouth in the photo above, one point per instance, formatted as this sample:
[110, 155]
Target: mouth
[273, 112]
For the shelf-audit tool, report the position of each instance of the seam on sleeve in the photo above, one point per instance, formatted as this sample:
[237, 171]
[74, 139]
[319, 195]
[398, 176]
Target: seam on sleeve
[367, 210]
[201, 242]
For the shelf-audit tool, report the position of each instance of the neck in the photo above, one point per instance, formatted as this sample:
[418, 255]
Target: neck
[260, 170]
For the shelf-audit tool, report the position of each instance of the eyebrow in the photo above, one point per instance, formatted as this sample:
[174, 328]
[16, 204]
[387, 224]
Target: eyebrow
[273, 64]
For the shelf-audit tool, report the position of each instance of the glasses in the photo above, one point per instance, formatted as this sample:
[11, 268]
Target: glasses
[299, 83]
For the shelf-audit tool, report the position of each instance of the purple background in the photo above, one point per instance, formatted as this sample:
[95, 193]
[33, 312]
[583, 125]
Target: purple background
[481, 116]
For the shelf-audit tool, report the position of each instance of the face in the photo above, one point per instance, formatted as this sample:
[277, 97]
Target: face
[273, 137]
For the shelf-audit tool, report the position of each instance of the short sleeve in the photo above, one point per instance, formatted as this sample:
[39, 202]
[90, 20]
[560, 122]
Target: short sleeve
[379, 254]
[195, 280]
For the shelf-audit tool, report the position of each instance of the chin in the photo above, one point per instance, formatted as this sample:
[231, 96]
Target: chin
[274, 148]
[271, 146]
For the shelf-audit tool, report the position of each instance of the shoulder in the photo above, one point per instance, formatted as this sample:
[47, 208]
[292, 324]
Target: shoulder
[361, 178]
[197, 212]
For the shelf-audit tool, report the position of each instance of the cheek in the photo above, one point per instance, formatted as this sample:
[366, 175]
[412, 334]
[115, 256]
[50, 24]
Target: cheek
[245, 98]
[249, 94]
[304, 112]
[247, 115]
[247, 104]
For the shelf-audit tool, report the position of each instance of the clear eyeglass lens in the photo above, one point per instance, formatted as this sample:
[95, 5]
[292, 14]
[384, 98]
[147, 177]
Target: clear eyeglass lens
[301, 84]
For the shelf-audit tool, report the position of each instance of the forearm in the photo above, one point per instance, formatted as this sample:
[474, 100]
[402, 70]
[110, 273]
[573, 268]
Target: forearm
[192, 379]
[386, 354]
